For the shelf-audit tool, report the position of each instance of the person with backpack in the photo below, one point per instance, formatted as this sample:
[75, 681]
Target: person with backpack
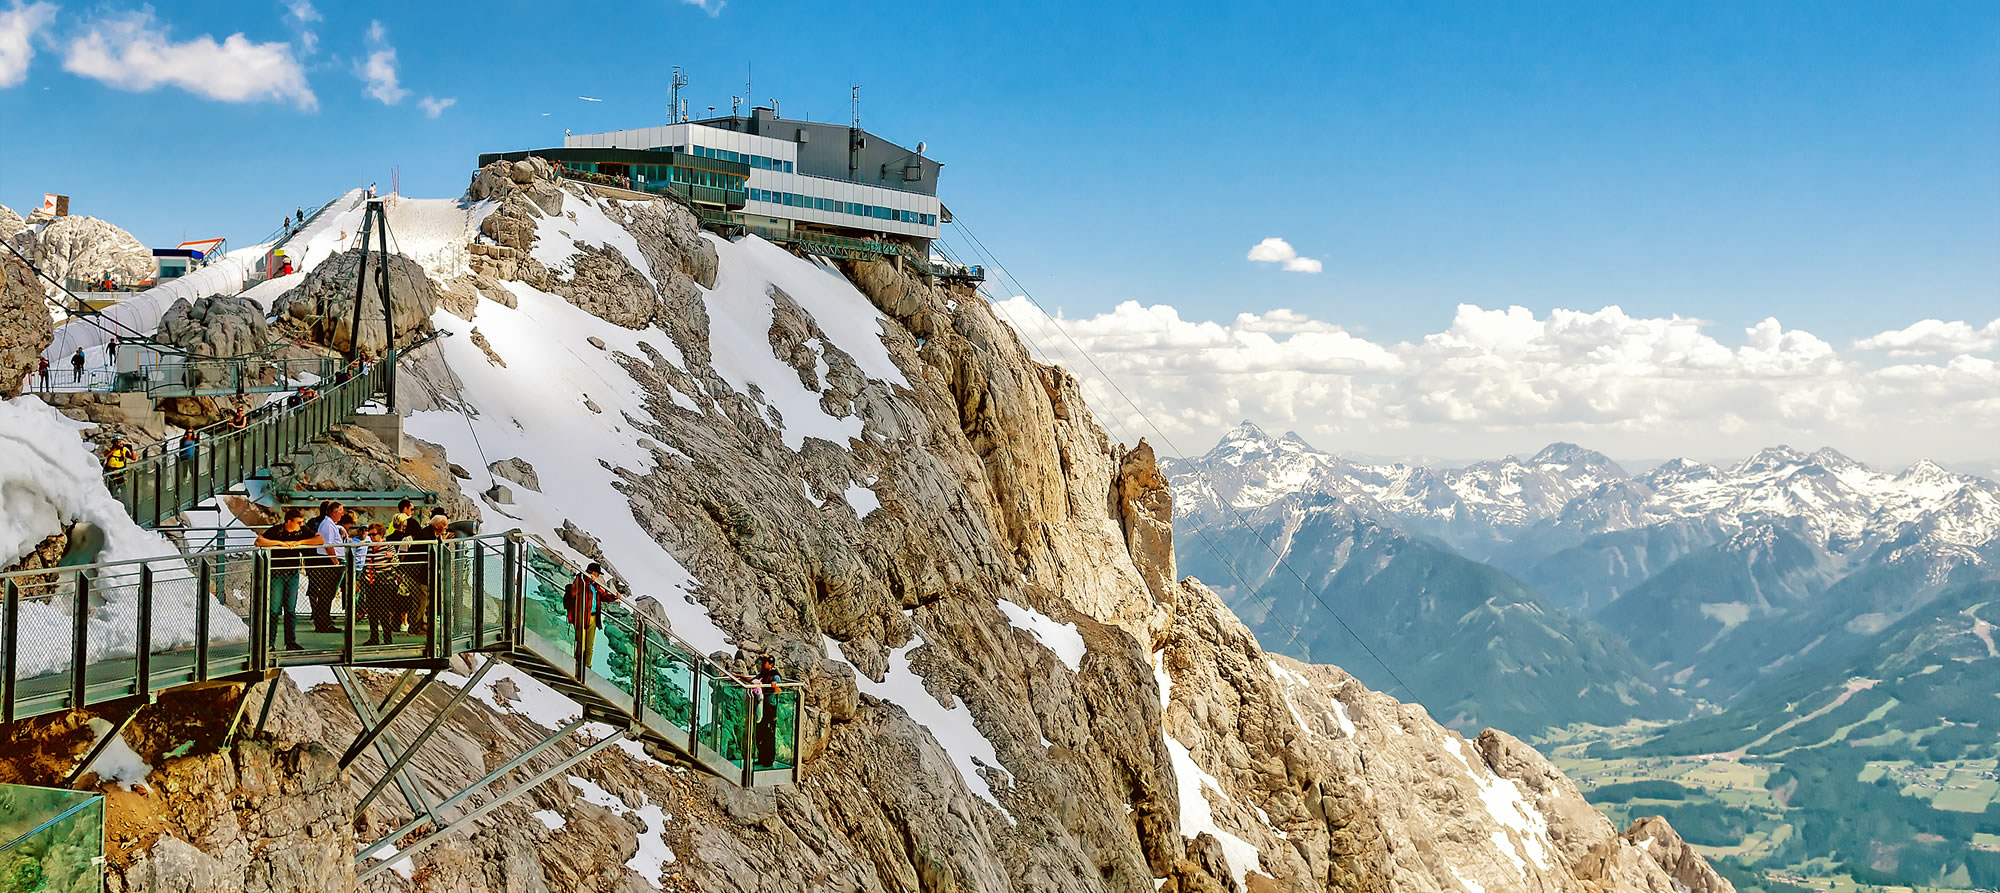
[584, 601]
[42, 369]
[76, 362]
[115, 460]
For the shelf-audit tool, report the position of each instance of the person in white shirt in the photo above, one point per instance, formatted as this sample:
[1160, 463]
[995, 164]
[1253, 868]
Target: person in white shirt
[323, 578]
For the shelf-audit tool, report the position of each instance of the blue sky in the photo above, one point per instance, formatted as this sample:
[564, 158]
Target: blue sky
[1836, 166]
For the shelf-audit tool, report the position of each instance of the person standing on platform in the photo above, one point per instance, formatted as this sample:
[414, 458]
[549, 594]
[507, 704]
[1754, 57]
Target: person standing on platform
[42, 369]
[323, 578]
[76, 365]
[765, 684]
[290, 542]
[585, 600]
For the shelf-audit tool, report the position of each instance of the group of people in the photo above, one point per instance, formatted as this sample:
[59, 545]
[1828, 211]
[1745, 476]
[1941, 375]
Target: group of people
[393, 561]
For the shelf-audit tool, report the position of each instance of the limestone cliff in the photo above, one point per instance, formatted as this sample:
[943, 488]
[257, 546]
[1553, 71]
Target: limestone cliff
[867, 477]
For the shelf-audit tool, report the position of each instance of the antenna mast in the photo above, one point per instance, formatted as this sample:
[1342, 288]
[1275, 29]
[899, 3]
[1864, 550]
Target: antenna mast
[675, 111]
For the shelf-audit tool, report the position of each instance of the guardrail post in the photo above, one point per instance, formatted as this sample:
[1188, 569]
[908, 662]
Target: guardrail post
[260, 610]
[442, 615]
[79, 641]
[478, 594]
[511, 610]
[12, 608]
[142, 650]
[748, 738]
[639, 669]
[201, 601]
[348, 602]
[695, 687]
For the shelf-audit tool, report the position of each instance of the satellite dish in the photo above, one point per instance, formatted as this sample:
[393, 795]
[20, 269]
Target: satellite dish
[920, 147]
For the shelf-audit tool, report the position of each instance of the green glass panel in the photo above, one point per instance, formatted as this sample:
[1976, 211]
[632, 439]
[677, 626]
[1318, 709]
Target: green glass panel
[669, 679]
[50, 840]
[783, 731]
[723, 720]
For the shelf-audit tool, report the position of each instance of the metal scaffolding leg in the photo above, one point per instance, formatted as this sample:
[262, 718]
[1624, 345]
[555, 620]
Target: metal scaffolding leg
[368, 734]
[365, 871]
[104, 743]
[387, 745]
[425, 735]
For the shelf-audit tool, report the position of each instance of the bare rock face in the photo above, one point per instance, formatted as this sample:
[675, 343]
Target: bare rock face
[517, 470]
[1146, 510]
[83, 247]
[15, 231]
[607, 286]
[215, 326]
[322, 306]
[26, 328]
[531, 178]
[1664, 845]
[1003, 687]
[351, 458]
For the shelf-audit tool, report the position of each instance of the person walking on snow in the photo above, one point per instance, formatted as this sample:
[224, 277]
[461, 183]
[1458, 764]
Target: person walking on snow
[585, 600]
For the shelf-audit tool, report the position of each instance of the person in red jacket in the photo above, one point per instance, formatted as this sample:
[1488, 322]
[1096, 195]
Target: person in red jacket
[585, 602]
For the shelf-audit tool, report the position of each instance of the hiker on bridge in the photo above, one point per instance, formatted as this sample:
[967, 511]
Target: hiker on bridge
[585, 600]
[116, 458]
[765, 685]
[426, 554]
[381, 586]
[287, 561]
[76, 365]
[240, 420]
[324, 573]
[42, 369]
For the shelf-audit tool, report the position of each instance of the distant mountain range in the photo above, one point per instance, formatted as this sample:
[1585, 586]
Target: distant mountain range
[1709, 578]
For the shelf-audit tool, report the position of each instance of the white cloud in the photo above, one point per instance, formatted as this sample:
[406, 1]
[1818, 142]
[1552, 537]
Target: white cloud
[133, 51]
[434, 107]
[1278, 251]
[1496, 381]
[19, 25]
[378, 70]
[712, 7]
[1932, 337]
[300, 14]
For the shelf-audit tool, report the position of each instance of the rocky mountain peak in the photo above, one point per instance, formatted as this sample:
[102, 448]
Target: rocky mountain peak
[1570, 455]
[1771, 459]
[1834, 460]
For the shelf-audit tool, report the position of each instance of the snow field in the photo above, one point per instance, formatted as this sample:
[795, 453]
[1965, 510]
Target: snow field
[50, 477]
[951, 726]
[595, 222]
[1062, 639]
[654, 853]
[1503, 801]
[1197, 816]
[533, 408]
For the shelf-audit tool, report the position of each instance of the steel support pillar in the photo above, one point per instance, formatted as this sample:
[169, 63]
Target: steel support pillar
[387, 745]
[417, 743]
[365, 871]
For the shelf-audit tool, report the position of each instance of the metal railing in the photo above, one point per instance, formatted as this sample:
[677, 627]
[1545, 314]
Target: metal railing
[170, 478]
[152, 624]
[230, 375]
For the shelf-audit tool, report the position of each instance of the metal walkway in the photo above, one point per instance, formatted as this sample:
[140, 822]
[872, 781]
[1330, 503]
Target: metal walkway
[163, 623]
[169, 479]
